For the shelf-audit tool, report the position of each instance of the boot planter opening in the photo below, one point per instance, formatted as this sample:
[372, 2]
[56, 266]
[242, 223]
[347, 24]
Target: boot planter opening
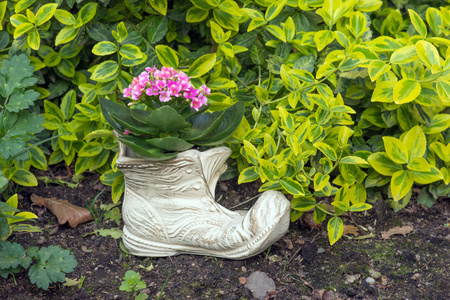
[169, 209]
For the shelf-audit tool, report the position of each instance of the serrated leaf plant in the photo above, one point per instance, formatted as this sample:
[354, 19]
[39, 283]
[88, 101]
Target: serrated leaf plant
[48, 264]
[132, 283]
[18, 124]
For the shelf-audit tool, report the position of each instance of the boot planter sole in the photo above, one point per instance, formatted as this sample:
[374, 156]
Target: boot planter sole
[169, 209]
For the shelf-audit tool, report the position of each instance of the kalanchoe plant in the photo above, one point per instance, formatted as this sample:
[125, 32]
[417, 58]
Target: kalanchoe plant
[167, 114]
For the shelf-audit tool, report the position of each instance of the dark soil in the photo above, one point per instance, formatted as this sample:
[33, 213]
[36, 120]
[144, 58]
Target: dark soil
[303, 264]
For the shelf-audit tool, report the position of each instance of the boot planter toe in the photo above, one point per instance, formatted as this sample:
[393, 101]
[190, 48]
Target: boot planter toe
[169, 209]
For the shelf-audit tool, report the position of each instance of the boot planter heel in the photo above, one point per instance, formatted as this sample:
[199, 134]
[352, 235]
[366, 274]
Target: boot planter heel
[169, 209]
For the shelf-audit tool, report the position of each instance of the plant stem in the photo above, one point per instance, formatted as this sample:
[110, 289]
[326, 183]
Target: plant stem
[164, 285]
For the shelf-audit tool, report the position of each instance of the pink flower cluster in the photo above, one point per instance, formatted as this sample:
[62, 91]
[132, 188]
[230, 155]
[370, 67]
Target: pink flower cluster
[166, 83]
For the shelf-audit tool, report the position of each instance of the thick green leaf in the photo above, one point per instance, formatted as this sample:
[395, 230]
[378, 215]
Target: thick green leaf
[395, 149]
[335, 229]
[90, 149]
[401, 184]
[404, 55]
[327, 150]
[65, 17]
[202, 65]
[320, 181]
[406, 90]
[415, 142]
[360, 207]
[106, 71]
[130, 51]
[87, 12]
[353, 160]
[381, 162]
[418, 23]
[157, 29]
[160, 6]
[231, 120]
[24, 177]
[66, 34]
[104, 48]
[303, 203]
[292, 186]
[167, 56]
[428, 54]
[426, 177]
[377, 68]
[144, 149]
[441, 150]
[22, 29]
[45, 13]
[248, 175]
[195, 15]
[170, 143]
[166, 118]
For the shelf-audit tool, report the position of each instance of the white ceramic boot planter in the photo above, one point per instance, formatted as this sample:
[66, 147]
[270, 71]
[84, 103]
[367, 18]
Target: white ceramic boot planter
[169, 209]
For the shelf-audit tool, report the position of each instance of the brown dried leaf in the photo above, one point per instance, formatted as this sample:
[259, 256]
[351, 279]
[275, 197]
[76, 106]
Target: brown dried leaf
[396, 230]
[308, 220]
[64, 211]
[350, 229]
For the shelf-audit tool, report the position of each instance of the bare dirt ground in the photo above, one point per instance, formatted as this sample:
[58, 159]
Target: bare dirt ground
[303, 264]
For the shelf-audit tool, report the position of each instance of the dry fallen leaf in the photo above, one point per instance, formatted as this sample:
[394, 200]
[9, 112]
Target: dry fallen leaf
[64, 211]
[396, 230]
[308, 220]
[350, 229]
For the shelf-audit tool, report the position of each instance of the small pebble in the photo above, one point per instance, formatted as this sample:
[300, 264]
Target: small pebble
[374, 274]
[244, 269]
[320, 250]
[416, 276]
[370, 280]
[384, 280]
[242, 280]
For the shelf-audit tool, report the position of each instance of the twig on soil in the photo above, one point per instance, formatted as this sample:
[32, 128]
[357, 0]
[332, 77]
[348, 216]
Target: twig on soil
[315, 236]
[245, 202]
[295, 254]
[354, 222]
[425, 265]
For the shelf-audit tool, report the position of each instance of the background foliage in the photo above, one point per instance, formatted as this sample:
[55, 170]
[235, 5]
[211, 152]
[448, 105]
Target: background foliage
[344, 99]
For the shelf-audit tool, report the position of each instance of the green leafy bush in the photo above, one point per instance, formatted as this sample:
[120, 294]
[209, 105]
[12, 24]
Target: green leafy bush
[50, 263]
[344, 99]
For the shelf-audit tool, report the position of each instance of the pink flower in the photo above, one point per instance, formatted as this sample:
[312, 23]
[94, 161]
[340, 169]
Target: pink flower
[126, 131]
[160, 84]
[164, 96]
[195, 104]
[202, 99]
[151, 70]
[143, 78]
[174, 88]
[151, 92]
[191, 93]
[127, 92]
[205, 89]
